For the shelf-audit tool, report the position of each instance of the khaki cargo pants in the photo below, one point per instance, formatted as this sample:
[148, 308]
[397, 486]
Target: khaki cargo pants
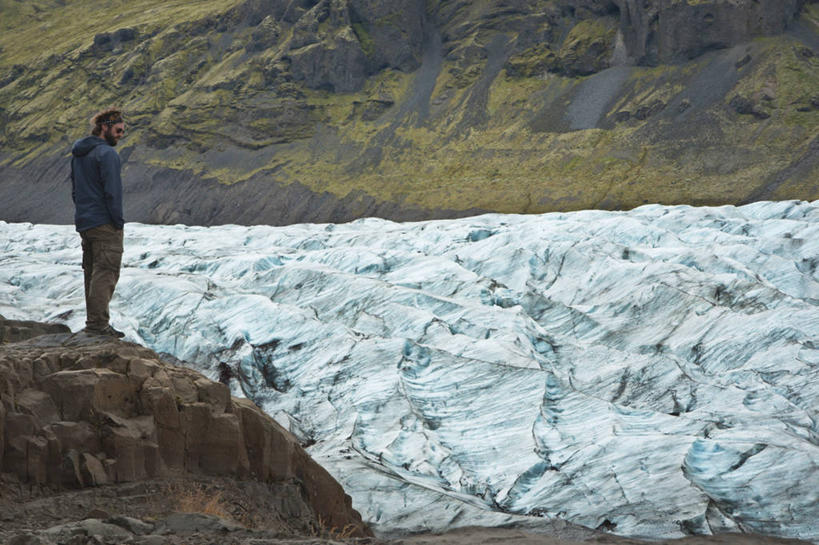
[101, 259]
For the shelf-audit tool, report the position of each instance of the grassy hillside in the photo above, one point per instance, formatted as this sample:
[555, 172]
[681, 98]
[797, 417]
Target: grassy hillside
[485, 120]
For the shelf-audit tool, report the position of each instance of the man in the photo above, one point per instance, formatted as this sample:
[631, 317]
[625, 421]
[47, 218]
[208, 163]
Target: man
[96, 188]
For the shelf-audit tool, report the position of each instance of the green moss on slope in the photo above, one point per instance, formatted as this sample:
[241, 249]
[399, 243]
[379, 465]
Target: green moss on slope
[60, 28]
[200, 100]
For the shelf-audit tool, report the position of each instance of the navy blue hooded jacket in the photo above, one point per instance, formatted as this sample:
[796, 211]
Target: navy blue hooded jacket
[96, 186]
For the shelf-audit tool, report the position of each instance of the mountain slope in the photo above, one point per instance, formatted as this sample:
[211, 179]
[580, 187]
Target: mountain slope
[286, 111]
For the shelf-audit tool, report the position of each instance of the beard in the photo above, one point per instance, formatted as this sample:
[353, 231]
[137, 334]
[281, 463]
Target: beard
[110, 139]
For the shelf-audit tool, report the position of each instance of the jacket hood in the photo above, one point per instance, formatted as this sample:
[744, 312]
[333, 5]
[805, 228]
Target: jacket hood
[83, 146]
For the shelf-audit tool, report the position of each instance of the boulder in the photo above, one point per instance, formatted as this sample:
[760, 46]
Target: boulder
[133, 525]
[93, 471]
[90, 528]
[190, 523]
[745, 106]
[19, 330]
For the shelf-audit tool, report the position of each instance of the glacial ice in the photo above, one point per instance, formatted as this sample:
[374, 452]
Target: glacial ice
[652, 372]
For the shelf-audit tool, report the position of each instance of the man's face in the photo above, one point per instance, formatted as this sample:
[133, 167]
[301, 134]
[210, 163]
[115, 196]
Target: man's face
[113, 133]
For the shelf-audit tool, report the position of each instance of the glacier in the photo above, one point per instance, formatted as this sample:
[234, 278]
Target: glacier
[653, 373]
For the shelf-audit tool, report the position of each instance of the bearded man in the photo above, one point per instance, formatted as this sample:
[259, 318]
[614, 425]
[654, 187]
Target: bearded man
[96, 188]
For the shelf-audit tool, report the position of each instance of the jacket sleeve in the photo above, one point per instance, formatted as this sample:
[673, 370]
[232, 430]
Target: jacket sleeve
[73, 184]
[112, 185]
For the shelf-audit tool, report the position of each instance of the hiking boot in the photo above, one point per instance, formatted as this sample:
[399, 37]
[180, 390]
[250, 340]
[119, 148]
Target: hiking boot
[106, 331]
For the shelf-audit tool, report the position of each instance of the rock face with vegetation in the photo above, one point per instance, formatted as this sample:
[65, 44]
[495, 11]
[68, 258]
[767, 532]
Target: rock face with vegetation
[81, 412]
[279, 111]
[674, 30]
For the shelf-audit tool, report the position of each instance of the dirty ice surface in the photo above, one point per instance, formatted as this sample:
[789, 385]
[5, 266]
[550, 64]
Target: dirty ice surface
[652, 372]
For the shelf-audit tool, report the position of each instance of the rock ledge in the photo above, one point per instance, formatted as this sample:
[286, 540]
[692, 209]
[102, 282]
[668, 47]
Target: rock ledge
[80, 412]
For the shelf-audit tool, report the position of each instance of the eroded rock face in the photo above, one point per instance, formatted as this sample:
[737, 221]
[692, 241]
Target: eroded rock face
[658, 31]
[87, 412]
[337, 44]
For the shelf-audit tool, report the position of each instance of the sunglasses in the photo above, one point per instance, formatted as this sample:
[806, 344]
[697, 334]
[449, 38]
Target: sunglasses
[112, 122]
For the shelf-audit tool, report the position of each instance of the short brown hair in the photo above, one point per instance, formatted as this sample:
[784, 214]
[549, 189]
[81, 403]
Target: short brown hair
[108, 116]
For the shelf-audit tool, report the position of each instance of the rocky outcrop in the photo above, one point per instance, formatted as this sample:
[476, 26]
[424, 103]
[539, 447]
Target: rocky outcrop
[19, 330]
[392, 34]
[337, 44]
[660, 31]
[82, 411]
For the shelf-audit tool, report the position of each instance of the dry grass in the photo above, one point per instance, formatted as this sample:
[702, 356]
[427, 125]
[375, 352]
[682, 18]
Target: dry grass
[207, 500]
[198, 499]
[321, 530]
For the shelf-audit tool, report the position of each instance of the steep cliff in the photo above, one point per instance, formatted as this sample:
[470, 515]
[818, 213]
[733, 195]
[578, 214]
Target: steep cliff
[279, 111]
[673, 30]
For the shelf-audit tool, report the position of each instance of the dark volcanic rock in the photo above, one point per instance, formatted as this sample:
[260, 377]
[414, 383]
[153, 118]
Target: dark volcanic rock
[589, 8]
[19, 330]
[392, 33]
[336, 45]
[745, 106]
[658, 31]
[338, 65]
